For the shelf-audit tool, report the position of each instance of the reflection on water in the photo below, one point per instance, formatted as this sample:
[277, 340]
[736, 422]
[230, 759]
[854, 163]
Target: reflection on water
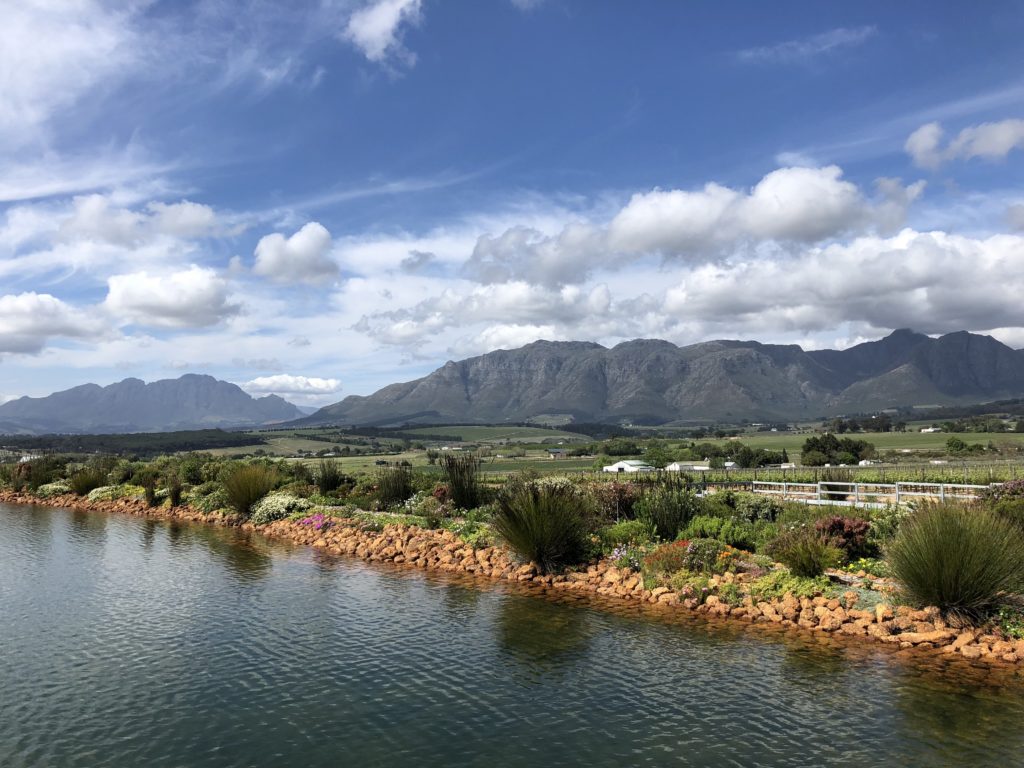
[137, 642]
[541, 636]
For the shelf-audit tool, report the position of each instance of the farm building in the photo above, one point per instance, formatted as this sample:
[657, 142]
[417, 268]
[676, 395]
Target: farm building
[629, 465]
[678, 466]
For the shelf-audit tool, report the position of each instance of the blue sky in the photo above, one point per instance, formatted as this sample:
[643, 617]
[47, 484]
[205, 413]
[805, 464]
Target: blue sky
[317, 199]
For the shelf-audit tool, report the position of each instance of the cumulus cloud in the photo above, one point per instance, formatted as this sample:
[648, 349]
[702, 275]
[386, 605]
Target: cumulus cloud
[376, 29]
[97, 218]
[788, 206]
[809, 47]
[192, 298]
[287, 384]
[417, 261]
[29, 320]
[988, 141]
[303, 257]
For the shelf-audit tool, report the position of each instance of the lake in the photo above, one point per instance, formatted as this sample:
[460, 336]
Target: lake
[129, 642]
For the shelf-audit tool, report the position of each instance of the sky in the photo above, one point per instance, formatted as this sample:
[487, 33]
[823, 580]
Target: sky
[316, 199]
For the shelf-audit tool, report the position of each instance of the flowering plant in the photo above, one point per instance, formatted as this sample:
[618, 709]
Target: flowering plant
[319, 521]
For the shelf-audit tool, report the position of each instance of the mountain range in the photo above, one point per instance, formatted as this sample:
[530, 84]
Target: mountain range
[189, 402]
[655, 382]
[645, 381]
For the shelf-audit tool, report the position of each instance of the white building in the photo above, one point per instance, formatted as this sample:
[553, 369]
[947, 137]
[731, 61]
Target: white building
[931, 429]
[676, 466]
[629, 465]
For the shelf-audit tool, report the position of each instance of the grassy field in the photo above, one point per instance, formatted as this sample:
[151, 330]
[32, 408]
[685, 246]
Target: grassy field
[499, 434]
[883, 441]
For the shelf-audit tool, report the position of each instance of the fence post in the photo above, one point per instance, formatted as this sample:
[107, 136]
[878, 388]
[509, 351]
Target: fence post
[897, 493]
[942, 491]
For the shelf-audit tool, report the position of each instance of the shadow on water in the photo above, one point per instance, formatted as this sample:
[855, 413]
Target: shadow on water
[542, 637]
[943, 703]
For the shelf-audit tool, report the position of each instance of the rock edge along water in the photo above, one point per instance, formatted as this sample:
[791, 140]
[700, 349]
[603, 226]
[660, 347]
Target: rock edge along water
[921, 631]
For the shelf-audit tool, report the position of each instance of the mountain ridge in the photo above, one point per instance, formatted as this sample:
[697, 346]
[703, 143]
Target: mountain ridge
[655, 381]
[192, 401]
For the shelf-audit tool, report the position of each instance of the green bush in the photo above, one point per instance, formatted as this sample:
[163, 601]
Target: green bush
[691, 585]
[965, 560]
[277, 506]
[248, 484]
[328, 477]
[115, 492]
[775, 585]
[87, 480]
[542, 524]
[667, 510]
[755, 507]
[49, 490]
[736, 533]
[394, 485]
[805, 551]
[462, 474]
[884, 525]
[625, 533]
[1011, 510]
[666, 559]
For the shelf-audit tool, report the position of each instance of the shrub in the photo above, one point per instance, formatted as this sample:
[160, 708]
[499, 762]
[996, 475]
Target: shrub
[248, 484]
[710, 556]
[962, 559]
[87, 480]
[869, 565]
[49, 490]
[1011, 510]
[328, 477]
[754, 507]
[174, 490]
[667, 510]
[691, 585]
[1014, 489]
[775, 585]
[736, 533]
[884, 525]
[541, 523]
[628, 532]
[629, 556]
[804, 551]
[115, 492]
[666, 559]
[616, 500]
[462, 475]
[394, 485]
[847, 534]
[277, 506]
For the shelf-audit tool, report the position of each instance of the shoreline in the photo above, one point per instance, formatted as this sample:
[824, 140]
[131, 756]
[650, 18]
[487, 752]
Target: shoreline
[919, 632]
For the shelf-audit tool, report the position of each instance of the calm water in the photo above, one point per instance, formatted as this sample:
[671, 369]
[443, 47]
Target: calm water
[132, 643]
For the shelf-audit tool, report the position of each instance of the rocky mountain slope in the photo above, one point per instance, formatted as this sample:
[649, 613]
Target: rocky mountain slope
[650, 381]
[189, 402]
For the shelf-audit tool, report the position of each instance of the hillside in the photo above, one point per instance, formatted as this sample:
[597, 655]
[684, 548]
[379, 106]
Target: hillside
[189, 402]
[651, 381]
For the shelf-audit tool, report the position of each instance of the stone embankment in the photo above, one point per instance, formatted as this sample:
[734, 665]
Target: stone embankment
[900, 626]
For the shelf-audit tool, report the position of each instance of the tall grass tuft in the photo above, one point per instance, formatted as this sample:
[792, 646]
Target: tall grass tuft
[542, 523]
[328, 477]
[247, 485]
[965, 560]
[667, 509]
[805, 551]
[394, 485]
[86, 480]
[174, 489]
[462, 473]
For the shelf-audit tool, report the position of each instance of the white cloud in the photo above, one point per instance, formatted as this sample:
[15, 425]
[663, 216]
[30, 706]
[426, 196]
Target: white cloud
[191, 298]
[54, 53]
[29, 320]
[788, 206]
[183, 219]
[303, 257]
[286, 384]
[376, 29]
[809, 47]
[988, 141]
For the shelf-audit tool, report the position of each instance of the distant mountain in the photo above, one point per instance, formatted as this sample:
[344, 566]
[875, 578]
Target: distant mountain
[189, 402]
[654, 382]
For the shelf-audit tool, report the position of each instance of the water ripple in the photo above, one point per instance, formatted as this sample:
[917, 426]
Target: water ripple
[129, 642]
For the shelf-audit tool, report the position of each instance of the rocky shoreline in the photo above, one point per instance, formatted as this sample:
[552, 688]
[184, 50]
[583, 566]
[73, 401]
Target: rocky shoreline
[900, 627]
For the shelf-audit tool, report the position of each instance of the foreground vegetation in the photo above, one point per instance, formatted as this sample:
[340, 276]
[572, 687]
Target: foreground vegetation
[966, 561]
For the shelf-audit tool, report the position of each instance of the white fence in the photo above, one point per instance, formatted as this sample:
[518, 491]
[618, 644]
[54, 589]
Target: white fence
[867, 494]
